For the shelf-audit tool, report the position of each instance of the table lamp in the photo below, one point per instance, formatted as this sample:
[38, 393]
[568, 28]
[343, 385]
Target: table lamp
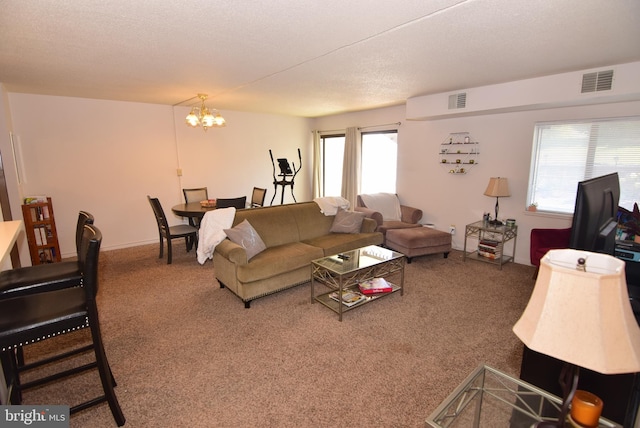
[579, 312]
[498, 187]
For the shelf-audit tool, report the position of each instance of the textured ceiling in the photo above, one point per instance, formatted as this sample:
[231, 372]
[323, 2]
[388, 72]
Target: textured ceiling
[302, 57]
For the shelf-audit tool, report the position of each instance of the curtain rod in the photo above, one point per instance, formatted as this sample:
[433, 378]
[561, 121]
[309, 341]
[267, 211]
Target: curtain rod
[376, 126]
[362, 127]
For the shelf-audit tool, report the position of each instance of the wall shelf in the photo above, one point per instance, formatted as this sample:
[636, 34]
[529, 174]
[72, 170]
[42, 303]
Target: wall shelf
[459, 153]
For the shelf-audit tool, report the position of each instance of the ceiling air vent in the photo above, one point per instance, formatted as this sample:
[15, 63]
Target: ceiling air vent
[597, 81]
[458, 100]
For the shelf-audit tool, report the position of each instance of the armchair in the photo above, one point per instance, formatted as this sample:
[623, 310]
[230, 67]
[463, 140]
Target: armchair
[408, 216]
[399, 225]
[543, 240]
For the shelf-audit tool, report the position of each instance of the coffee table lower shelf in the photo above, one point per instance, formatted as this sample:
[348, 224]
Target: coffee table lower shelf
[326, 300]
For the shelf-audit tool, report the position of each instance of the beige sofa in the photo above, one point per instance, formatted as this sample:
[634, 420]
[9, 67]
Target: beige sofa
[294, 234]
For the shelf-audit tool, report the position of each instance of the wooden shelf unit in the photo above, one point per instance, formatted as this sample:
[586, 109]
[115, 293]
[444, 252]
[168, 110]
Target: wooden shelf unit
[40, 227]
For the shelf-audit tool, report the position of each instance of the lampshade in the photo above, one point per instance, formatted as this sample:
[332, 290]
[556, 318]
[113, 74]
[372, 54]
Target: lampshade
[580, 313]
[498, 187]
[201, 116]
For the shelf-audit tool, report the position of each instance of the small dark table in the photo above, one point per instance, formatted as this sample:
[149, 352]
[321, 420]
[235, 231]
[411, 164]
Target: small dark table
[191, 210]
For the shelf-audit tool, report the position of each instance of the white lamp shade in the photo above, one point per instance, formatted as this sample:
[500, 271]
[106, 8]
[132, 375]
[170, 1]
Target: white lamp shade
[582, 317]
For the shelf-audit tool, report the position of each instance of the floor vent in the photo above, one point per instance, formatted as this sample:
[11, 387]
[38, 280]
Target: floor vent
[597, 81]
[458, 100]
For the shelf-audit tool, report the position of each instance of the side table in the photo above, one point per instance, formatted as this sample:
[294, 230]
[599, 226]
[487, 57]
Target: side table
[491, 242]
[489, 398]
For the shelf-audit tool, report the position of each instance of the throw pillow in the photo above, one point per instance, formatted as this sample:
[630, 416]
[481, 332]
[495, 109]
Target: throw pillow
[246, 236]
[347, 222]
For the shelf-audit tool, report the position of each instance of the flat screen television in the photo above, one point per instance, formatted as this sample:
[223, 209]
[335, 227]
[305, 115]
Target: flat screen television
[595, 217]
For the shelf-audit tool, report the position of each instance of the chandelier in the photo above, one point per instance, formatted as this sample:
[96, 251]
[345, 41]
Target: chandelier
[201, 116]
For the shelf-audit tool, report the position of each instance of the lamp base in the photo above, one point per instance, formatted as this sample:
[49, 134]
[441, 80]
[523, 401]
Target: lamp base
[495, 223]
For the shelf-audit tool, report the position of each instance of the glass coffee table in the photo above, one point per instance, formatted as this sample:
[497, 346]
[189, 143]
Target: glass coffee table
[343, 272]
[489, 398]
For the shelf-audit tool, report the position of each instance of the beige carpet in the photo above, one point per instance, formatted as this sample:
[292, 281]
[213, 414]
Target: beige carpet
[186, 353]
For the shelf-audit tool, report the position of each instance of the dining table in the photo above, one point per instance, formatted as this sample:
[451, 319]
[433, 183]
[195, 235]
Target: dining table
[192, 210]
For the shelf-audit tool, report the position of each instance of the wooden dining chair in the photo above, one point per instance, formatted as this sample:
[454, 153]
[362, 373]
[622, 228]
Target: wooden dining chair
[186, 231]
[237, 203]
[196, 194]
[257, 197]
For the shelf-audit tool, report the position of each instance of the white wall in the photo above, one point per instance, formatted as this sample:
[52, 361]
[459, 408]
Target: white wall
[107, 156]
[505, 150]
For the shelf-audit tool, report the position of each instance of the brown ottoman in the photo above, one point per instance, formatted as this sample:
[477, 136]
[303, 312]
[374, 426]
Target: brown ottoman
[418, 241]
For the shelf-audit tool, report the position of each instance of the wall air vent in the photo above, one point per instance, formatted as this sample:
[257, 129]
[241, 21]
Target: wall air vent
[597, 81]
[458, 100]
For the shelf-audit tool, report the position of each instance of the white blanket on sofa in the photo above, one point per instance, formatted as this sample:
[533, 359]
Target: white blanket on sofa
[329, 205]
[386, 204]
[211, 231]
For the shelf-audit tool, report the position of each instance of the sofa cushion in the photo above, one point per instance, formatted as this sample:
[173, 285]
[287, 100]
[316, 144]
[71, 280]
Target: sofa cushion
[334, 243]
[279, 259]
[275, 225]
[390, 225]
[347, 222]
[246, 236]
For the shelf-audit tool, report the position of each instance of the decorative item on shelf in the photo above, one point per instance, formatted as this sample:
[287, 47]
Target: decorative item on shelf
[511, 222]
[202, 116]
[497, 187]
[579, 300]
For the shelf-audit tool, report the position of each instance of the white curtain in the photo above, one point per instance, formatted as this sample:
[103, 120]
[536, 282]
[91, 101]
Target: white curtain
[317, 167]
[351, 166]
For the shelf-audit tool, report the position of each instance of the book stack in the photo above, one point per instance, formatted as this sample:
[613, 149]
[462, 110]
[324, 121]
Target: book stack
[375, 286]
[489, 248]
[349, 298]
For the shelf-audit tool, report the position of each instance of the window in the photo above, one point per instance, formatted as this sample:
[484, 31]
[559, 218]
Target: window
[378, 163]
[332, 156]
[567, 153]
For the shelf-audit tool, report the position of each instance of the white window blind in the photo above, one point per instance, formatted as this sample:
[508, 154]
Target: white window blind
[569, 152]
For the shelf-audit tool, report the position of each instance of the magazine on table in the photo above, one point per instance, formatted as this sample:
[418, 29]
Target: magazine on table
[349, 297]
[375, 286]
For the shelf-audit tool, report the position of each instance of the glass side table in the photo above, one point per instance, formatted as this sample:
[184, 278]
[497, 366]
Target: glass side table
[491, 242]
[489, 398]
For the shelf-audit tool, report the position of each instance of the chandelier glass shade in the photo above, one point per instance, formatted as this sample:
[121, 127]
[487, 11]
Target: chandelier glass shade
[202, 116]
